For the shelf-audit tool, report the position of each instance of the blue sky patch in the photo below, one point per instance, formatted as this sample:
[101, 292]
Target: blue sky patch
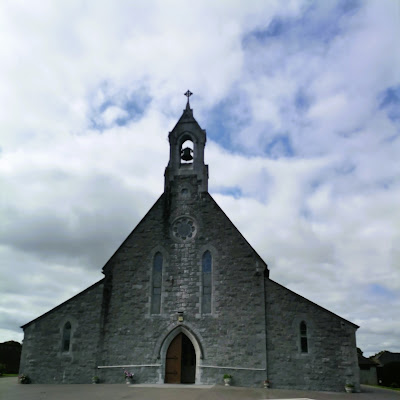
[346, 168]
[134, 103]
[223, 120]
[390, 102]
[377, 290]
[316, 184]
[217, 125]
[302, 102]
[276, 27]
[348, 7]
[279, 146]
[233, 191]
[305, 212]
[316, 24]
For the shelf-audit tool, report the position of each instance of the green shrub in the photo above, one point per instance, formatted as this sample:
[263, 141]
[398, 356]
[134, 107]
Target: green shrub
[24, 379]
[394, 385]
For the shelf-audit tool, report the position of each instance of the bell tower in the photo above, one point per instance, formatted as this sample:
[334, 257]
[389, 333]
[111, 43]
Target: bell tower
[186, 159]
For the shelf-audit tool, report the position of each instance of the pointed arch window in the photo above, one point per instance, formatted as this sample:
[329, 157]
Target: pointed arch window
[157, 283]
[206, 283]
[66, 337]
[303, 337]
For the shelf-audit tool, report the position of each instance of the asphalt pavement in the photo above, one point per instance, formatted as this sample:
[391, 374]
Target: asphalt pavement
[10, 389]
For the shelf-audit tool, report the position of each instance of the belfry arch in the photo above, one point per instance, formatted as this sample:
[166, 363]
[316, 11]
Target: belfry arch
[187, 159]
[186, 149]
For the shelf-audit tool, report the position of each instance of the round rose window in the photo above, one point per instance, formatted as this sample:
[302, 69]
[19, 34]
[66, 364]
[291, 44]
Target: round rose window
[184, 229]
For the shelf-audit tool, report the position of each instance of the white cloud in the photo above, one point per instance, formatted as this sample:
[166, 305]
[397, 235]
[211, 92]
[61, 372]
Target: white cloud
[88, 96]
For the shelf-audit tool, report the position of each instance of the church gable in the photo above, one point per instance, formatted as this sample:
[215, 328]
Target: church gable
[138, 238]
[66, 336]
[296, 301]
[189, 266]
[98, 286]
[315, 340]
[186, 299]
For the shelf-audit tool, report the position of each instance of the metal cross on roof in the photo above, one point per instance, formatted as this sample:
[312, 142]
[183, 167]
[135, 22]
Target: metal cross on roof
[188, 94]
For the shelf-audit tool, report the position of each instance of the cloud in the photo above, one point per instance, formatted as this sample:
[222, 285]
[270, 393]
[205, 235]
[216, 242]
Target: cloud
[300, 105]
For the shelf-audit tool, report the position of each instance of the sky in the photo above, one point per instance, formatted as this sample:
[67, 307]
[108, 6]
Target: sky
[301, 104]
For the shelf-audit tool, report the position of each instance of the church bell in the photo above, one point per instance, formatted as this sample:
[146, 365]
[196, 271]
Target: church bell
[186, 154]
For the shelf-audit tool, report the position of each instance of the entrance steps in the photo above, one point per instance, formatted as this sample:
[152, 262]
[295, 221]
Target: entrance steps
[171, 386]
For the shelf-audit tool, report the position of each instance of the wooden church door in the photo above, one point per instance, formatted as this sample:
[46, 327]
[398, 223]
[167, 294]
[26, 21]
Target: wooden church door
[180, 366]
[173, 361]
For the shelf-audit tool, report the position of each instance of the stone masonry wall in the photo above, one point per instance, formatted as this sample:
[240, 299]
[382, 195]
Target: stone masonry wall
[252, 331]
[232, 336]
[331, 360]
[42, 357]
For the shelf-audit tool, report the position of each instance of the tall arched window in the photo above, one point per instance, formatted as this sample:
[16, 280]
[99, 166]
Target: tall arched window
[303, 337]
[157, 281]
[206, 283]
[66, 337]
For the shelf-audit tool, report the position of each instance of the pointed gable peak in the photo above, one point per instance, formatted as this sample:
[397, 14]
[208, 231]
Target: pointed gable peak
[187, 122]
[187, 115]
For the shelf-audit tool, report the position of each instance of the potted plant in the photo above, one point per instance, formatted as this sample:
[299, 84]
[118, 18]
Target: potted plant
[128, 377]
[95, 379]
[266, 384]
[349, 387]
[227, 379]
[24, 379]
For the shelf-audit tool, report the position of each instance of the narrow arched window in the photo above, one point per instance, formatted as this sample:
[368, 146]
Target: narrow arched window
[157, 282]
[66, 337]
[303, 337]
[206, 283]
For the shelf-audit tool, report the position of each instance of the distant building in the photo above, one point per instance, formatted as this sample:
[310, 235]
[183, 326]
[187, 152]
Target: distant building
[385, 357]
[388, 368]
[10, 354]
[368, 374]
[186, 299]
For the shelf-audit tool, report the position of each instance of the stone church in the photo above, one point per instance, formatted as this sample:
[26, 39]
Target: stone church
[186, 299]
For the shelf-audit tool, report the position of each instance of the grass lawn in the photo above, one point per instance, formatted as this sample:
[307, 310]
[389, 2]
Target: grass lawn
[9, 375]
[385, 387]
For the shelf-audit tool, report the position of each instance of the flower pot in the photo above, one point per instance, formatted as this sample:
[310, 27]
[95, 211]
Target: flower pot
[349, 389]
[227, 381]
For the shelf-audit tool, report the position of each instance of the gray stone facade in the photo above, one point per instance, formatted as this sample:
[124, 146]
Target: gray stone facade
[42, 357]
[251, 331]
[331, 359]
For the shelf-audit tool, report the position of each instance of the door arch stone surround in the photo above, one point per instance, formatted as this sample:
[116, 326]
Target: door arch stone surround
[165, 341]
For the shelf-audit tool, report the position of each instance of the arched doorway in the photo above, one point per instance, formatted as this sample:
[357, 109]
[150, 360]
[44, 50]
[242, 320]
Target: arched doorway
[180, 363]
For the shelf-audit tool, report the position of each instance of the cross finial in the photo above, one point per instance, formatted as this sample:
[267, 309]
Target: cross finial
[188, 94]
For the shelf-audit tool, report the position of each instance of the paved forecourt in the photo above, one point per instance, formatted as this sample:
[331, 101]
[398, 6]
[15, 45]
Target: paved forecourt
[11, 390]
